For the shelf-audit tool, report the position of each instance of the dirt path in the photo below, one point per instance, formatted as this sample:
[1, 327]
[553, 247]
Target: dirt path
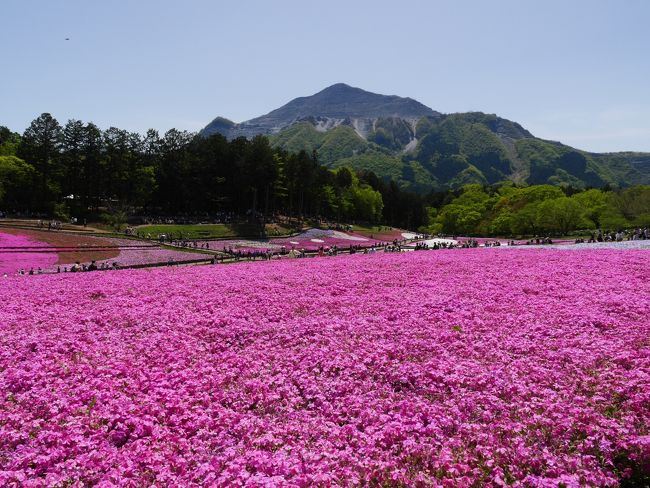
[33, 224]
[74, 244]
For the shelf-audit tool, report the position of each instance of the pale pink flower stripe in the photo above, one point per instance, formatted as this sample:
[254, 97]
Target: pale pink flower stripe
[469, 368]
[313, 239]
[244, 245]
[308, 240]
[11, 261]
[134, 257]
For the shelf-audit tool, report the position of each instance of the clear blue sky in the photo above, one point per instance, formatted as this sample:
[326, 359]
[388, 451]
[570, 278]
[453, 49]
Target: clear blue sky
[576, 71]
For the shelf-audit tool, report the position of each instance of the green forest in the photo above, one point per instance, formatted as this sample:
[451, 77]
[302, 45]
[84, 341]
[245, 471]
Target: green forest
[450, 151]
[78, 170]
[509, 210]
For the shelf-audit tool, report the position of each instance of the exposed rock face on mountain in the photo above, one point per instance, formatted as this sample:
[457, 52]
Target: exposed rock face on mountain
[336, 105]
[421, 149]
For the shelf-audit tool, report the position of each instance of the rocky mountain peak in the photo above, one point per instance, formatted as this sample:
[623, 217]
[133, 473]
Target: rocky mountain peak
[336, 104]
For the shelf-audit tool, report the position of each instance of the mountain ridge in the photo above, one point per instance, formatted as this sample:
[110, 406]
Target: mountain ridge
[422, 149]
[335, 105]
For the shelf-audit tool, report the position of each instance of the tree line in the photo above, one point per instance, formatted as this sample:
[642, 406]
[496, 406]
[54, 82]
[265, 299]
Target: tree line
[79, 170]
[508, 210]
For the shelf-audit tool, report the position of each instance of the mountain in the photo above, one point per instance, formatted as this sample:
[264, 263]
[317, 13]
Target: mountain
[422, 149]
[336, 105]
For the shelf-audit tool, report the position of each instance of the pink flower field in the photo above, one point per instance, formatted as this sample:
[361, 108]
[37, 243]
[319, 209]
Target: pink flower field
[136, 257]
[15, 254]
[463, 368]
[24, 252]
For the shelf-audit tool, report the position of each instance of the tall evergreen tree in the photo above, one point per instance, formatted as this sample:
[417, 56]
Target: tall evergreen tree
[40, 146]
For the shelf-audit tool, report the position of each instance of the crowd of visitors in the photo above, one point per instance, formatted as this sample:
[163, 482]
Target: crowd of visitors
[93, 266]
[424, 246]
[77, 267]
[620, 235]
[187, 219]
[537, 241]
[51, 224]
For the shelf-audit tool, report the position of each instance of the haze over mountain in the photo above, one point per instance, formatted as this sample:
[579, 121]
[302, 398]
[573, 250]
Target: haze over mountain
[422, 149]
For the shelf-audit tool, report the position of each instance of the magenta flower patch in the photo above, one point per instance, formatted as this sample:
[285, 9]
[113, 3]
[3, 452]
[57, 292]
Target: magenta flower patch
[20, 252]
[467, 368]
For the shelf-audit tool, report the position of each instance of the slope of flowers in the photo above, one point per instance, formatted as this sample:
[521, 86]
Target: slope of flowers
[134, 257]
[310, 240]
[24, 252]
[15, 254]
[569, 246]
[386, 234]
[241, 245]
[466, 368]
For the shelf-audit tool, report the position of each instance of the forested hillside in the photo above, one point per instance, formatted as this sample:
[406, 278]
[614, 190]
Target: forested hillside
[422, 150]
[80, 170]
[454, 150]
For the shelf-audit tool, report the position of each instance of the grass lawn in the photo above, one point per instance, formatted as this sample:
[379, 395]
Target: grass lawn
[378, 232]
[212, 231]
[368, 228]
